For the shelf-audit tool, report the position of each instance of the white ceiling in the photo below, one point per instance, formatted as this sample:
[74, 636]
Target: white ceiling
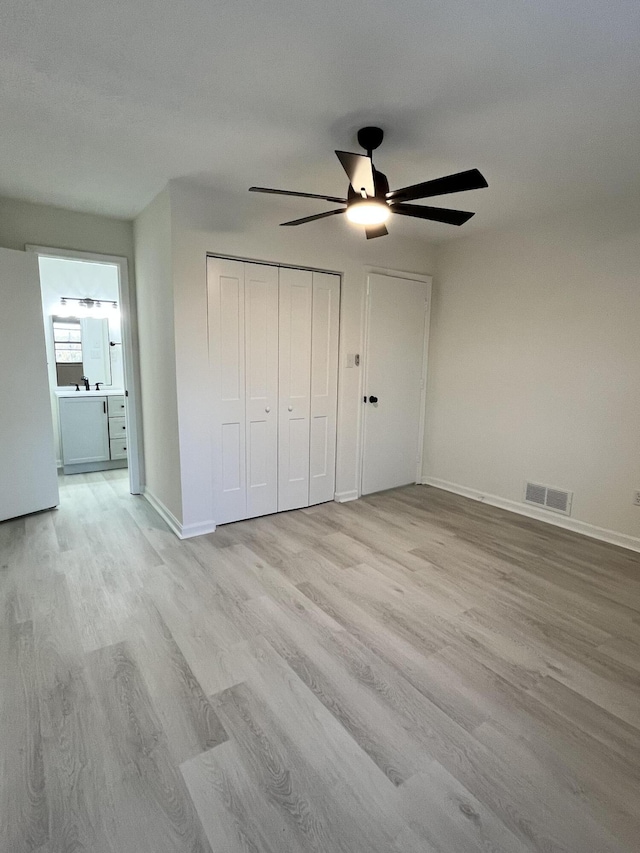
[103, 102]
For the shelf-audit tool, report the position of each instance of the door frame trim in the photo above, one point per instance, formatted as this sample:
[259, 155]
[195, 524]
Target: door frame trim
[410, 276]
[262, 263]
[130, 355]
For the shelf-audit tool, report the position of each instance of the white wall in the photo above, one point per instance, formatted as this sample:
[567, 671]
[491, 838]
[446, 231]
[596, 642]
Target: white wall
[534, 369]
[209, 221]
[23, 222]
[154, 292]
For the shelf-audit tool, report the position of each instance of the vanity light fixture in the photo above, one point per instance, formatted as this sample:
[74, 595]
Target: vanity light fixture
[86, 306]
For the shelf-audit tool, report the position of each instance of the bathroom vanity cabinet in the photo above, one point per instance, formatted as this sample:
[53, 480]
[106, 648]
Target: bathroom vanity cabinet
[93, 431]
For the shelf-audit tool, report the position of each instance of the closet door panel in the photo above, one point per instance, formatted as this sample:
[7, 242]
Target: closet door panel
[296, 298]
[261, 353]
[226, 297]
[324, 386]
[232, 468]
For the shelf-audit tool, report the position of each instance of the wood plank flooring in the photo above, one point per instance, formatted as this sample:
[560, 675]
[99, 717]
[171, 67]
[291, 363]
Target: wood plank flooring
[413, 672]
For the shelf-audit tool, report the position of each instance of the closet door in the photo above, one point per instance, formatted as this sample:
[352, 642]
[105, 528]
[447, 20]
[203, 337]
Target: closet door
[296, 296]
[324, 387]
[261, 360]
[225, 284]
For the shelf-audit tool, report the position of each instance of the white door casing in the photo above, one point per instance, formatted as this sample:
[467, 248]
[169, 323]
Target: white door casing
[324, 386]
[261, 365]
[130, 355]
[296, 296]
[395, 372]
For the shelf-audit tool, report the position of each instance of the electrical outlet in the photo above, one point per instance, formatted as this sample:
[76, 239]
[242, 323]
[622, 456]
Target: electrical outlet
[636, 498]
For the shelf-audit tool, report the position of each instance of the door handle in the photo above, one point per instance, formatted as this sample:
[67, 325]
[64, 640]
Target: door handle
[267, 409]
[373, 399]
[290, 408]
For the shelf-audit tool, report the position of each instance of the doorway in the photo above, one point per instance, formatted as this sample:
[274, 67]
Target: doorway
[90, 333]
[396, 342]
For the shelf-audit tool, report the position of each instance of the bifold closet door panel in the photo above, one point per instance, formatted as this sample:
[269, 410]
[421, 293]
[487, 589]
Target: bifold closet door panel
[296, 297]
[324, 387]
[261, 369]
[225, 286]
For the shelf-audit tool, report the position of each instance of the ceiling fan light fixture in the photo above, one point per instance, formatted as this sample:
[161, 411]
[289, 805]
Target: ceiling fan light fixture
[368, 212]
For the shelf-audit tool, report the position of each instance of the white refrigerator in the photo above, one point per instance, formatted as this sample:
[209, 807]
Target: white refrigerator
[28, 474]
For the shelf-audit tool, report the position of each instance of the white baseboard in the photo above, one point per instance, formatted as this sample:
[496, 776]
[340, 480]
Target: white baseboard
[165, 514]
[182, 532]
[343, 497]
[200, 529]
[611, 536]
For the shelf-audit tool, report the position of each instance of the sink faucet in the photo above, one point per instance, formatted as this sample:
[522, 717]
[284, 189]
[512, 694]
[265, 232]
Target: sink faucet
[85, 379]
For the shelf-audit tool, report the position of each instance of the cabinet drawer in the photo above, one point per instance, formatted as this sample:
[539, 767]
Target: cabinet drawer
[117, 427]
[115, 404]
[118, 448]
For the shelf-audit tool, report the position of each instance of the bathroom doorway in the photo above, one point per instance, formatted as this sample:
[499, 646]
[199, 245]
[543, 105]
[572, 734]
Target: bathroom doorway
[91, 338]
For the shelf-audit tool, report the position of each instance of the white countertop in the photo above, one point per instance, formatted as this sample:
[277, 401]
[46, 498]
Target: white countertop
[71, 392]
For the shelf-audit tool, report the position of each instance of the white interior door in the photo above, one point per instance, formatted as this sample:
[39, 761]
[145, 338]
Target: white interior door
[324, 386]
[28, 474]
[226, 286]
[261, 354]
[296, 297]
[395, 375]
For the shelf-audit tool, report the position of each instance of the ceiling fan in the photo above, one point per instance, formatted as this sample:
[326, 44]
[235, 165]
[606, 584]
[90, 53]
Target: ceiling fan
[369, 201]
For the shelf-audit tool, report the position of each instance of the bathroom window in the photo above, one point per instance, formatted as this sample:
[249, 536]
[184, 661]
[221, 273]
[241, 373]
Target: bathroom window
[67, 345]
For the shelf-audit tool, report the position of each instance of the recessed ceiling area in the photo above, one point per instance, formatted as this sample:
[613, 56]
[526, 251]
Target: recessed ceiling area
[102, 104]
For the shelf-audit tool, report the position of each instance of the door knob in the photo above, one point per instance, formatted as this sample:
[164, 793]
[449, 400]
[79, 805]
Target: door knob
[290, 408]
[373, 399]
[267, 409]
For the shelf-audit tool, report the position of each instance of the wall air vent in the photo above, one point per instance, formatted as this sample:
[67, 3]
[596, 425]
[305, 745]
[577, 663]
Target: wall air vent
[556, 500]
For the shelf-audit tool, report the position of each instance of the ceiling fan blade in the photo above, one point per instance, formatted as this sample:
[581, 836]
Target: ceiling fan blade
[359, 169]
[299, 195]
[375, 231]
[316, 216]
[469, 180]
[435, 214]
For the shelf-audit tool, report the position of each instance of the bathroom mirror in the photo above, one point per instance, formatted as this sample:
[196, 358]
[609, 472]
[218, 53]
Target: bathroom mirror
[81, 348]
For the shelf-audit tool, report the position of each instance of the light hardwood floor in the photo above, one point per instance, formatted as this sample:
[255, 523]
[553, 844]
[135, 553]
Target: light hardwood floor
[409, 673]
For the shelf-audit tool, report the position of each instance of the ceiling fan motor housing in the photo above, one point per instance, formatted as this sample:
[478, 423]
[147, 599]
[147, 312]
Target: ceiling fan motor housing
[370, 138]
